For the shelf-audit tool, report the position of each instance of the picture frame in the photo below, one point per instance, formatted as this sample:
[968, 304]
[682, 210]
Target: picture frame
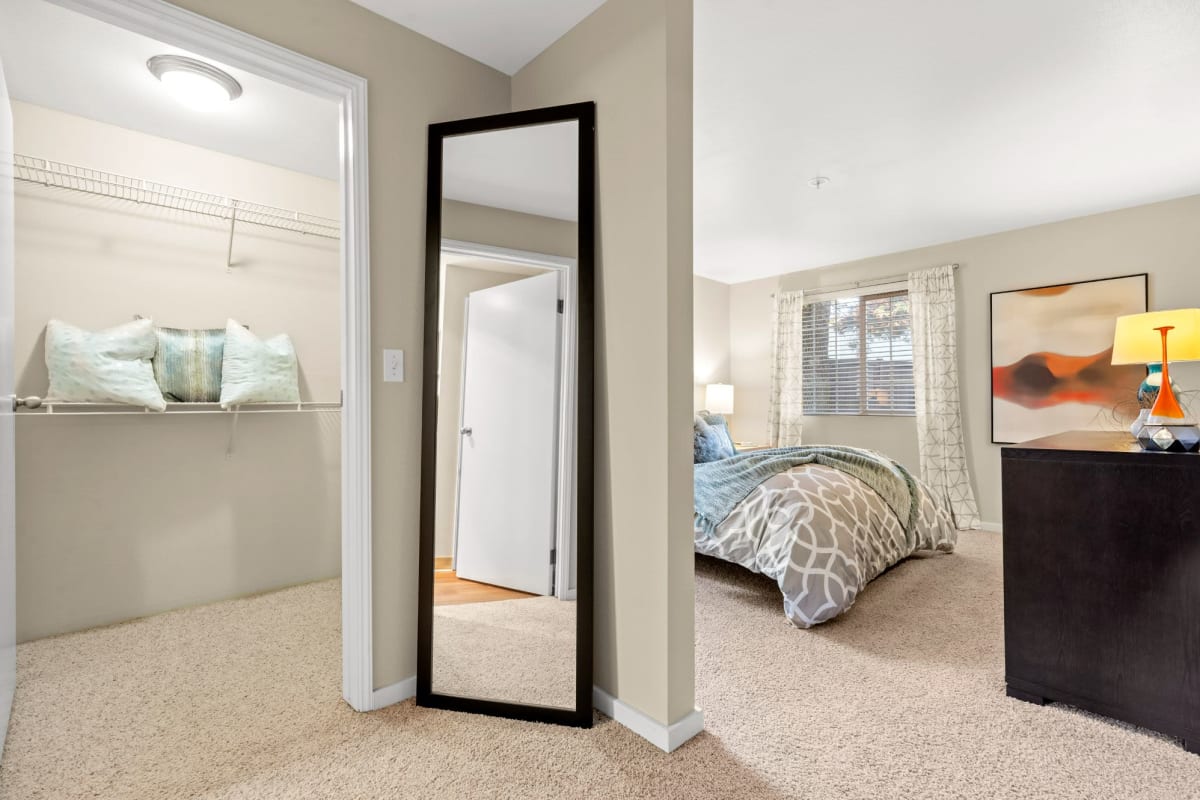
[1050, 351]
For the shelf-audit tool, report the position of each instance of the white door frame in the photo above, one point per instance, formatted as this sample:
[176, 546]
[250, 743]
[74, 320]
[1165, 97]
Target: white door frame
[568, 284]
[176, 26]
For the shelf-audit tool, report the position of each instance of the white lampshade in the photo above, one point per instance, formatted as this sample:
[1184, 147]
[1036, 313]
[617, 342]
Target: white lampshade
[1138, 341]
[718, 398]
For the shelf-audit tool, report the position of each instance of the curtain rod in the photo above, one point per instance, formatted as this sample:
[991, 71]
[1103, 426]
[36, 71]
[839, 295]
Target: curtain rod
[857, 284]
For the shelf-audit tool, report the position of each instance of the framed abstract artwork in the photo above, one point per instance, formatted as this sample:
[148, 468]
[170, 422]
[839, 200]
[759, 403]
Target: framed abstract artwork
[1051, 354]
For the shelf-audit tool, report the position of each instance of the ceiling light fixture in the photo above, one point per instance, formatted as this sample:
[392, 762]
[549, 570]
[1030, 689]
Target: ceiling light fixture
[818, 181]
[195, 84]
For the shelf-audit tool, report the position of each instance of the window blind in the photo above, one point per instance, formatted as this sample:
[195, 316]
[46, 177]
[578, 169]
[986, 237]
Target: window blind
[858, 355]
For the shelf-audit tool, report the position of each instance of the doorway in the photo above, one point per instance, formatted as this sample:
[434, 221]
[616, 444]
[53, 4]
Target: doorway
[182, 30]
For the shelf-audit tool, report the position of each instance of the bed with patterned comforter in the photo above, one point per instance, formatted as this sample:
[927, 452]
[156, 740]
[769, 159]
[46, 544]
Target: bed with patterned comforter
[822, 533]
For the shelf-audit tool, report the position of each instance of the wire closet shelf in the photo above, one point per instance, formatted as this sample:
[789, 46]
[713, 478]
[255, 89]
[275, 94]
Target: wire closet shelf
[122, 187]
[51, 408]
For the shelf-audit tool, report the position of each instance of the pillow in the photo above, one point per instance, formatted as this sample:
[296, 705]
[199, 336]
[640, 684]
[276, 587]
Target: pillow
[111, 366]
[711, 440]
[721, 430]
[187, 364]
[257, 371]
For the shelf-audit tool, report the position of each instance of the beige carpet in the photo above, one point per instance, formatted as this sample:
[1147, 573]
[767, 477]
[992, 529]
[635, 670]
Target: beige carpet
[516, 651]
[902, 698]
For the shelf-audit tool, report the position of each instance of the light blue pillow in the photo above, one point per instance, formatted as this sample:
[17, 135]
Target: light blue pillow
[254, 370]
[711, 440]
[110, 366]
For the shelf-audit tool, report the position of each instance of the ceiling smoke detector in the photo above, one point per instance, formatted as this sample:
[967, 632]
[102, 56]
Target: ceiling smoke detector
[195, 84]
[818, 181]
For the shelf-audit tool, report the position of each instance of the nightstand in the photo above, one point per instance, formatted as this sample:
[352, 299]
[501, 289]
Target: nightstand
[1102, 579]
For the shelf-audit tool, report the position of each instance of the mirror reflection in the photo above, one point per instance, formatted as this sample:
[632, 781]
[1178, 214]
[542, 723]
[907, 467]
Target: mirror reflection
[504, 610]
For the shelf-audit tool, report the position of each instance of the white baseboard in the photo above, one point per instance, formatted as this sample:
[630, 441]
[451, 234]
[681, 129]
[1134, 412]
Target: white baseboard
[664, 737]
[396, 693]
[993, 527]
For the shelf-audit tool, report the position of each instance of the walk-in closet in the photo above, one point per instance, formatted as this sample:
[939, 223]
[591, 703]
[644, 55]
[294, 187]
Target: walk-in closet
[178, 329]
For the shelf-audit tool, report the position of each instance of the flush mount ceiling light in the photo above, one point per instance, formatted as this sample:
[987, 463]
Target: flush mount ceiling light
[199, 86]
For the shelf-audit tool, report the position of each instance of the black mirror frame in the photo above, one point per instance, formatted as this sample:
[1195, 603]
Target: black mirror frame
[581, 715]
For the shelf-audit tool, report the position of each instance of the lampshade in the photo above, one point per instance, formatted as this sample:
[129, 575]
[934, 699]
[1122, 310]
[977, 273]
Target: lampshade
[718, 398]
[1137, 340]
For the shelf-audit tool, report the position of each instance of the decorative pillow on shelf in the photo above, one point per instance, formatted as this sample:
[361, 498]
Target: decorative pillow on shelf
[110, 366]
[254, 370]
[187, 364]
[711, 440]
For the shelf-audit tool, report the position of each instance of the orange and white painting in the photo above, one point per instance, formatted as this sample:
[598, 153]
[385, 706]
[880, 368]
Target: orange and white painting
[1051, 358]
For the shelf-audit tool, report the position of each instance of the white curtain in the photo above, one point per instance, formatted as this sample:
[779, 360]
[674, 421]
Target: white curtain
[938, 406]
[784, 419]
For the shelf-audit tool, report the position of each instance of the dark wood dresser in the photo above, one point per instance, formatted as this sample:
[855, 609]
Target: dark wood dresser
[1102, 579]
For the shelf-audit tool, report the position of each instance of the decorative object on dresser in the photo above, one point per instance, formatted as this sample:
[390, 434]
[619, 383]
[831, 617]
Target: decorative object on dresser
[1051, 358]
[1102, 579]
[1141, 338]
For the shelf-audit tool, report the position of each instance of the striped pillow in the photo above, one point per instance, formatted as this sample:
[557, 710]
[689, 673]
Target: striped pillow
[187, 364]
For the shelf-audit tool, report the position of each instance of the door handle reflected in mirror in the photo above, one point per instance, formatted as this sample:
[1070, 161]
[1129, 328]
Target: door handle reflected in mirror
[465, 431]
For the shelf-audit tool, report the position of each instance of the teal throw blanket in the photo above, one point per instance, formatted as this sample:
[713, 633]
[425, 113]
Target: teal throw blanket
[721, 485]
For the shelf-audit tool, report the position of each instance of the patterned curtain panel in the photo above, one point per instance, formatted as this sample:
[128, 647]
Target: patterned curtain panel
[935, 379]
[784, 420]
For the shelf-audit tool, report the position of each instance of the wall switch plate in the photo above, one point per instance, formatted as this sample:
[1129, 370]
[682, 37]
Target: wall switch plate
[393, 366]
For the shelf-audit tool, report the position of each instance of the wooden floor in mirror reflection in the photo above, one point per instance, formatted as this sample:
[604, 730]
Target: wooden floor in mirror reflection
[451, 590]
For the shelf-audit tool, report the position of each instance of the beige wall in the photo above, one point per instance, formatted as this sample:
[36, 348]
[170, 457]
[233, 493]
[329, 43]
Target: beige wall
[750, 357]
[633, 58]
[123, 517]
[710, 334]
[413, 82]
[499, 227]
[1162, 239]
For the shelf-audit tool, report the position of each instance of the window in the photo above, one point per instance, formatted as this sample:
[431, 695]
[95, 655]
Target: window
[858, 355]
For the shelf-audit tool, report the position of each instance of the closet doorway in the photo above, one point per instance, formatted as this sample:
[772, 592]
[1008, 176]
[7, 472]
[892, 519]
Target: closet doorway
[212, 230]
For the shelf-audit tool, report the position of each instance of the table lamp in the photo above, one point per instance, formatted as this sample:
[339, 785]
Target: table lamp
[1143, 339]
[718, 398]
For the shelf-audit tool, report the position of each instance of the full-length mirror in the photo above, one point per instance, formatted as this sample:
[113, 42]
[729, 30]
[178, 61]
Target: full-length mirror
[505, 625]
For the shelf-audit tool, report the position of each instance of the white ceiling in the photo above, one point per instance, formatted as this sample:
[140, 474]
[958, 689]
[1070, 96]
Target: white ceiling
[534, 169]
[504, 34]
[70, 62]
[935, 121]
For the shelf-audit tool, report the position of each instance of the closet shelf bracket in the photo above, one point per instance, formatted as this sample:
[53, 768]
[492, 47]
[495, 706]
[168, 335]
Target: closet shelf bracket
[232, 434]
[232, 224]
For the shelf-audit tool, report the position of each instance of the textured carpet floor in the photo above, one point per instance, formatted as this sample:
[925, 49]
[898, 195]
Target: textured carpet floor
[517, 651]
[901, 698]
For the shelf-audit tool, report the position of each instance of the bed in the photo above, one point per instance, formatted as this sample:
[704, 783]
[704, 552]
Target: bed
[822, 530]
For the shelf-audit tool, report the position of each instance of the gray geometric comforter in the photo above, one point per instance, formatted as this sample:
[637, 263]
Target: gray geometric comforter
[822, 535]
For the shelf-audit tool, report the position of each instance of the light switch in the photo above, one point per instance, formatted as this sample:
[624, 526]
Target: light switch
[393, 366]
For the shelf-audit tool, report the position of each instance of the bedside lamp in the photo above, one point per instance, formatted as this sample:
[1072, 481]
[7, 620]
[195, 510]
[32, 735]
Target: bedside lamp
[1144, 338]
[718, 398]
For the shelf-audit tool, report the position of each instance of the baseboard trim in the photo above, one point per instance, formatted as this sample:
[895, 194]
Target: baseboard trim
[395, 693]
[991, 527]
[665, 737]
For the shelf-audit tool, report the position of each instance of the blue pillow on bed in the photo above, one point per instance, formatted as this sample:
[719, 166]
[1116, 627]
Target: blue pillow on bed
[711, 439]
